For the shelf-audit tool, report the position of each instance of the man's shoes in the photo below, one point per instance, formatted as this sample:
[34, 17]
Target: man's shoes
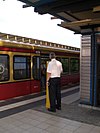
[52, 110]
[59, 108]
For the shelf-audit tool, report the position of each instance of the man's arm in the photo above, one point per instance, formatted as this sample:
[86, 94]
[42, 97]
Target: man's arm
[61, 69]
[48, 72]
[48, 76]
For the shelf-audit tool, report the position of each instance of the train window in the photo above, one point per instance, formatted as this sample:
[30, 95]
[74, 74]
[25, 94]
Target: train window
[74, 65]
[36, 67]
[22, 67]
[58, 58]
[4, 68]
[65, 65]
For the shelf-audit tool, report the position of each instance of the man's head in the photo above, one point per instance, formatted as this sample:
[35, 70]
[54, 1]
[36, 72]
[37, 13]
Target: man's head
[52, 55]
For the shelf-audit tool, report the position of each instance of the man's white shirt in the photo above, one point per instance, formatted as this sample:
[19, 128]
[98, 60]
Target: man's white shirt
[55, 68]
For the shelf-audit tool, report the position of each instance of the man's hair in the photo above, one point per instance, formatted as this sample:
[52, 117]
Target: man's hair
[52, 55]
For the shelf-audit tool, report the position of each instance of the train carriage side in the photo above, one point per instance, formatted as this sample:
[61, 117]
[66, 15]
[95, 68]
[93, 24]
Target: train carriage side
[70, 59]
[20, 67]
[16, 70]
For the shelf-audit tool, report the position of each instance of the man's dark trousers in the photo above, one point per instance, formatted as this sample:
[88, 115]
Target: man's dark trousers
[55, 92]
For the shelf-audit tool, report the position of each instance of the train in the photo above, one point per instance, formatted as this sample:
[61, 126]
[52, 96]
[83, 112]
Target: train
[21, 59]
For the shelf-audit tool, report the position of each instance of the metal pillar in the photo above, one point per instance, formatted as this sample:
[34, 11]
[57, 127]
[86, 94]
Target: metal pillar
[93, 82]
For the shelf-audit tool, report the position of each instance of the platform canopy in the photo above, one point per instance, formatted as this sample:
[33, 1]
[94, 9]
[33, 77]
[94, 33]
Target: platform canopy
[77, 15]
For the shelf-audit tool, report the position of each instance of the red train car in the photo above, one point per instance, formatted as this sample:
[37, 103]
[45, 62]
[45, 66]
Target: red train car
[22, 60]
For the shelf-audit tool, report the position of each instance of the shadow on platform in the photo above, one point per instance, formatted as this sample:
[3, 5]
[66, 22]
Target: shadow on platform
[74, 112]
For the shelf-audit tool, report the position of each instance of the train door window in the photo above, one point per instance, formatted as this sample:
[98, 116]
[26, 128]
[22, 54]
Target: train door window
[43, 73]
[4, 68]
[65, 65]
[22, 67]
[74, 65]
[36, 68]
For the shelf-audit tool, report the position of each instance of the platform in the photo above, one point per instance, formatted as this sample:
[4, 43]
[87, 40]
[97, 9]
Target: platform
[33, 117]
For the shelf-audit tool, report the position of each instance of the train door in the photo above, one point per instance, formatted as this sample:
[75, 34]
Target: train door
[43, 73]
[35, 83]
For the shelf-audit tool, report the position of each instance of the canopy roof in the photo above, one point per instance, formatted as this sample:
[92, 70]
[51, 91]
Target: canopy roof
[77, 15]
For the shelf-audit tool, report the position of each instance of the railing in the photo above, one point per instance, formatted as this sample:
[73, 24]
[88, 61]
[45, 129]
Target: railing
[4, 36]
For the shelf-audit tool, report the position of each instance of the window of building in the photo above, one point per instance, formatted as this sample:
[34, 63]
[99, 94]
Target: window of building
[22, 67]
[4, 68]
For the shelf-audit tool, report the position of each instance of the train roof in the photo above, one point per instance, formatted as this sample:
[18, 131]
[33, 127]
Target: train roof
[29, 43]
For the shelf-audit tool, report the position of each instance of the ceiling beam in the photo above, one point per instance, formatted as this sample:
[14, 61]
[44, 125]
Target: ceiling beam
[26, 5]
[54, 17]
[81, 23]
[58, 3]
[72, 6]
[96, 9]
[74, 29]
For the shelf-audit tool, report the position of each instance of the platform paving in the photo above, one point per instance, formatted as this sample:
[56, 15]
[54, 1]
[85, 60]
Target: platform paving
[71, 119]
[32, 121]
[71, 109]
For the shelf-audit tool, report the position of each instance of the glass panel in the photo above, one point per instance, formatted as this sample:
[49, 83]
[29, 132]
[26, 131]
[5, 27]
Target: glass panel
[74, 64]
[22, 67]
[65, 64]
[36, 67]
[20, 59]
[4, 68]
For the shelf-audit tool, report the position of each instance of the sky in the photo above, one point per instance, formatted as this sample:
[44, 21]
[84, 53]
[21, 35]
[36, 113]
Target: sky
[25, 22]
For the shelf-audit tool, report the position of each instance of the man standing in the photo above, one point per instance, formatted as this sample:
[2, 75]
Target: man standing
[54, 71]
